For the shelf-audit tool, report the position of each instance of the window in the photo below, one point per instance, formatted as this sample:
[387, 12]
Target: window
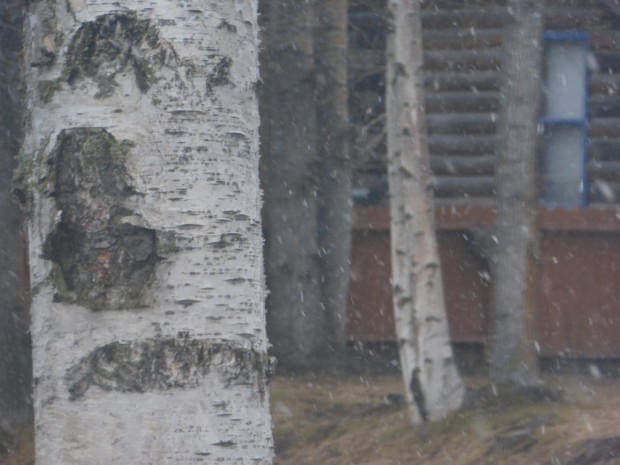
[564, 121]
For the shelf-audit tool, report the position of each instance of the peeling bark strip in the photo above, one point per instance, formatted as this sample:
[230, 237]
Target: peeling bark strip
[103, 261]
[113, 44]
[162, 364]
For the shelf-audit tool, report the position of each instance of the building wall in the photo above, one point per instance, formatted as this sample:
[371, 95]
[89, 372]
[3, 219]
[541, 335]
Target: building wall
[578, 299]
[463, 59]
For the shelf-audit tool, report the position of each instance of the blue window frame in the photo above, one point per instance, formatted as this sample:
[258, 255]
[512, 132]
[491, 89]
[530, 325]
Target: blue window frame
[564, 122]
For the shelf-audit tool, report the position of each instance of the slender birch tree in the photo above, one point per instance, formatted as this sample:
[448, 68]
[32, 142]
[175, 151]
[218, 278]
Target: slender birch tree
[141, 181]
[514, 359]
[433, 385]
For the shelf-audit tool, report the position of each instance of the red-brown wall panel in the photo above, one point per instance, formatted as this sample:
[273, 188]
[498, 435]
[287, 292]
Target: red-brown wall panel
[579, 284]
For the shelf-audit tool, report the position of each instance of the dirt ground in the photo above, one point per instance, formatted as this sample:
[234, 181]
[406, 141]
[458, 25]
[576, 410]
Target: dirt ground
[361, 420]
[349, 419]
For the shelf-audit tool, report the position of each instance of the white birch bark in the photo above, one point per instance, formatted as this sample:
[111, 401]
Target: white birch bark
[144, 233]
[432, 382]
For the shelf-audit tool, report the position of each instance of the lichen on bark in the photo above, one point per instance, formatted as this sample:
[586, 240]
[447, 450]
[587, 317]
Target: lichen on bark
[114, 44]
[159, 364]
[102, 260]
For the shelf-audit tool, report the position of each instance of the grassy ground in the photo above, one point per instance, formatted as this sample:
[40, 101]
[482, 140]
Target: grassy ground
[328, 420]
[352, 419]
[17, 447]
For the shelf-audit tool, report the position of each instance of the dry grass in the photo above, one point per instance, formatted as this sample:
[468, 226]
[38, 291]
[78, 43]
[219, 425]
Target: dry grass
[340, 421]
[345, 420]
[17, 447]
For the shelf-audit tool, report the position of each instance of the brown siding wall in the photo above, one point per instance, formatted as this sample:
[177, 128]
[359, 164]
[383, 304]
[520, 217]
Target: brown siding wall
[466, 286]
[579, 312]
[579, 290]
[371, 315]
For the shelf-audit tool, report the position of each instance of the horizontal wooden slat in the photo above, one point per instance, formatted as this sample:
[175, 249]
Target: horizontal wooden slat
[459, 39]
[465, 144]
[605, 191]
[604, 149]
[483, 165]
[604, 83]
[463, 18]
[447, 4]
[466, 102]
[604, 170]
[462, 123]
[608, 62]
[604, 127]
[363, 62]
[469, 186]
[604, 39]
[573, 18]
[463, 60]
[604, 106]
[493, 17]
[480, 81]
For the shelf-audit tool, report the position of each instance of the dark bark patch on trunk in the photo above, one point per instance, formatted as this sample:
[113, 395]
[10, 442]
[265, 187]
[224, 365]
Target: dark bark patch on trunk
[237, 144]
[161, 364]
[415, 386]
[220, 72]
[101, 260]
[113, 44]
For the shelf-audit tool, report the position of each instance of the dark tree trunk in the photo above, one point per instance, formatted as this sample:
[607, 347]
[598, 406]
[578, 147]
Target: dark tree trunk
[15, 364]
[513, 353]
[296, 320]
[335, 206]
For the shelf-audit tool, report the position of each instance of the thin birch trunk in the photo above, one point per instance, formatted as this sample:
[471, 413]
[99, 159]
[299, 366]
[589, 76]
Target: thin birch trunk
[514, 359]
[141, 177]
[433, 385]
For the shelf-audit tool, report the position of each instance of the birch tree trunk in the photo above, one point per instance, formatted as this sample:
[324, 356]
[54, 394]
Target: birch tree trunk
[141, 172]
[336, 207]
[433, 385]
[296, 318]
[514, 359]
